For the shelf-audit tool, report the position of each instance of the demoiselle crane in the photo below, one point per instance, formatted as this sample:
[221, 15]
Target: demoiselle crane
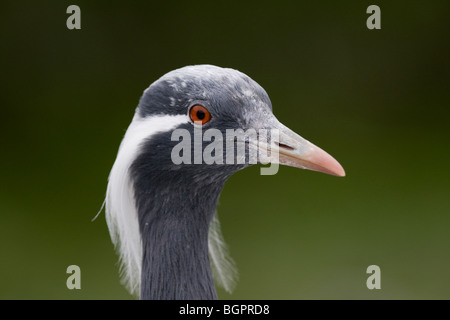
[165, 182]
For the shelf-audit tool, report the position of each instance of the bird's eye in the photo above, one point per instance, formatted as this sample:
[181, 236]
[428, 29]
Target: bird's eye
[199, 114]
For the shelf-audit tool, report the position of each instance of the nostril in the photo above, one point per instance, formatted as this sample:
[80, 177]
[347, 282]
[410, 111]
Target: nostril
[285, 146]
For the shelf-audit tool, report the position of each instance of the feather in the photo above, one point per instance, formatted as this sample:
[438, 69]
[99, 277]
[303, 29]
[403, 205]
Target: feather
[120, 208]
[224, 268]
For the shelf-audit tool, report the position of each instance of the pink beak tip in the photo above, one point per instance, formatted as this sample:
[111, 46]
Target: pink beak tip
[321, 161]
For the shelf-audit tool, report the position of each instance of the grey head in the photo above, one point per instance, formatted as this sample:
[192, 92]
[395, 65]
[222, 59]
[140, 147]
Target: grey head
[233, 99]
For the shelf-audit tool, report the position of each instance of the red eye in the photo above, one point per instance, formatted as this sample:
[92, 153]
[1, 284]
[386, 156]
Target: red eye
[199, 114]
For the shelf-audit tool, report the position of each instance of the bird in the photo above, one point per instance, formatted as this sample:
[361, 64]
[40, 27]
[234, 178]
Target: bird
[161, 214]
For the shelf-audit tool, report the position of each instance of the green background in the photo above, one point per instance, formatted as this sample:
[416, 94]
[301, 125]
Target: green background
[377, 100]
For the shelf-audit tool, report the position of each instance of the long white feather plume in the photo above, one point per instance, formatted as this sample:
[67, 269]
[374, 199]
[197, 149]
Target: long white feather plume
[121, 213]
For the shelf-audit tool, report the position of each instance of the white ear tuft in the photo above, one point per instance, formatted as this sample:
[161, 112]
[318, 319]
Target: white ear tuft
[120, 207]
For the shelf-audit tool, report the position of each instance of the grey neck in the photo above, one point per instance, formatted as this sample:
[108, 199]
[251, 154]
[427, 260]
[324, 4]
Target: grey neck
[174, 231]
[175, 205]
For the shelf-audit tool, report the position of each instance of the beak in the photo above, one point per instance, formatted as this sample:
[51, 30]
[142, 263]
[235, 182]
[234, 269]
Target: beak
[295, 151]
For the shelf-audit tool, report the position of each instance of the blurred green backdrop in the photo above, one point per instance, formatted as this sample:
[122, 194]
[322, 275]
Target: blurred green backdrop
[377, 100]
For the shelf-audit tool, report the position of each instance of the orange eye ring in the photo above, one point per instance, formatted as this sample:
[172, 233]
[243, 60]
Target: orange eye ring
[199, 114]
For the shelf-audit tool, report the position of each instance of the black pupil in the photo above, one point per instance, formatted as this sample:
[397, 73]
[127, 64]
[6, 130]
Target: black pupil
[200, 114]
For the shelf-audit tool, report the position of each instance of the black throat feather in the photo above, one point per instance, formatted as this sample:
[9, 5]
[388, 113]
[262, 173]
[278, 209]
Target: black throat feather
[175, 206]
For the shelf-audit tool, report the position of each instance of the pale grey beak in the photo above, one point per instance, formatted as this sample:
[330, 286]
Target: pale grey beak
[295, 151]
